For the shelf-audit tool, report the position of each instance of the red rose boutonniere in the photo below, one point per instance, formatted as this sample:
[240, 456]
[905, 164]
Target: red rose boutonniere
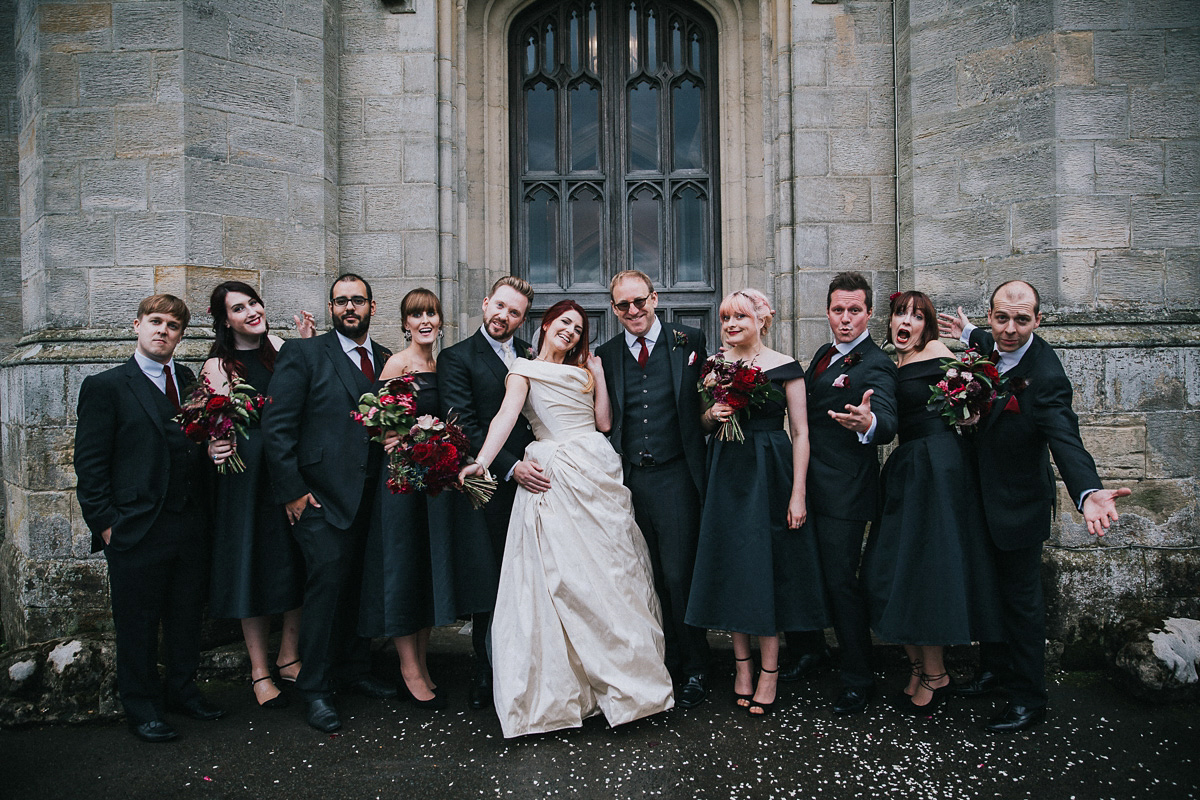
[852, 359]
[681, 339]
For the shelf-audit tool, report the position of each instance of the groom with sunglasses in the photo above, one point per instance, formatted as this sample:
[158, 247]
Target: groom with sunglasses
[652, 369]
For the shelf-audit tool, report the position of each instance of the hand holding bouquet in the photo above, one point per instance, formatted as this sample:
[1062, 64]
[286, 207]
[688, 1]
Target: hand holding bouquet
[738, 385]
[428, 459]
[207, 416]
[966, 393]
[390, 410]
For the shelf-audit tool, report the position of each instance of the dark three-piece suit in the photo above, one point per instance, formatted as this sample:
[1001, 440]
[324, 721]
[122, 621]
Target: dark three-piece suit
[140, 476]
[657, 432]
[843, 493]
[1030, 422]
[314, 446]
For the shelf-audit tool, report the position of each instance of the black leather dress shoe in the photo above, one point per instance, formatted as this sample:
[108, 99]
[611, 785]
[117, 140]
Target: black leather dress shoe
[370, 686]
[853, 700]
[154, 731]
[480, 695]
[197, 708]
[806, 665]
[1015, 718]
[692, 693]
[983, 682]
[323, 716]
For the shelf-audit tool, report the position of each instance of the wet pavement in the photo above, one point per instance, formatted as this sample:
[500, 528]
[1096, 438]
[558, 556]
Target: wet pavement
[1097, 743]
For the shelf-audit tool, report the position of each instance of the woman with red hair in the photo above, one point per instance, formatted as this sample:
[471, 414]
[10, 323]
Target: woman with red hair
[577, 628]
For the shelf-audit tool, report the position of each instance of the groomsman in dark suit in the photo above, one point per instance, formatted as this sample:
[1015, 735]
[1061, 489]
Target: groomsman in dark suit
[652, 369]
[143, 489]
[325, 470]
[1031, 421]
[471, 379]
[851, 412]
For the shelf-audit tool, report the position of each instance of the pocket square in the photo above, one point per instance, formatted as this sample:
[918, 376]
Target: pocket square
[1012, 404]
[692, 358]
[841, 381]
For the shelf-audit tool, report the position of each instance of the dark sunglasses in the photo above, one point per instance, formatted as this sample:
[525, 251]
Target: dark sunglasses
[637, 302]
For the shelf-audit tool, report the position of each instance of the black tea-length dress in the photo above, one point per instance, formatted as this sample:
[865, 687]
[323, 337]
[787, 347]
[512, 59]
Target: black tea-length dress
[423, 555]
[257, 566]
[754, 574]
[927, 568]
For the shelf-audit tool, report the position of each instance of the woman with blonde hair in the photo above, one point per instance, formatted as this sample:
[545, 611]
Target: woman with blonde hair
[757, 569]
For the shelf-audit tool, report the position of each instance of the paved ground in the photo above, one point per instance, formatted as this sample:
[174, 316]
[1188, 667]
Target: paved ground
[1098, 743]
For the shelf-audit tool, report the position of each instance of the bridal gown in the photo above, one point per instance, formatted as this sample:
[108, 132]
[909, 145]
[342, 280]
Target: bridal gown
[577, 628]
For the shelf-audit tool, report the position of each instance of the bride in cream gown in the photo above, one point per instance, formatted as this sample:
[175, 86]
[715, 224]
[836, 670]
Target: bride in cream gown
[577, 628]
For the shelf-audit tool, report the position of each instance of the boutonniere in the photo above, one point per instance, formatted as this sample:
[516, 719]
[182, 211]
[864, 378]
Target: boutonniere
[850, 360]
[681, 339]
[530, 354]
[841, 381]
[692, 358]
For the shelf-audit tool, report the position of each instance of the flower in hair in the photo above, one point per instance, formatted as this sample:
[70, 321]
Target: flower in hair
[892, 297]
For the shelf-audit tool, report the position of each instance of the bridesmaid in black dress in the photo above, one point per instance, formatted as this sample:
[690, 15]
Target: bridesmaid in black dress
[927, 571]
[257, 568]
[757, 570]
[415, 573]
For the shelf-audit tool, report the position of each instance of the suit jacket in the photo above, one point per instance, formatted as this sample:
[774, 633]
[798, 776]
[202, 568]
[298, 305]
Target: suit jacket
[471, 385]
[685, 348]
[310, 441]
[1013, 447]
[122, 456]
[843, 473]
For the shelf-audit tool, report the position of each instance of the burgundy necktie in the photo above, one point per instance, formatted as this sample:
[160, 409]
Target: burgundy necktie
[644, 353]
[172, 391]
[364, 363]
[825, 361]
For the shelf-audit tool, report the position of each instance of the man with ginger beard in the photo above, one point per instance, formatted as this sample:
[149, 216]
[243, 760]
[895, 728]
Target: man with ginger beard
[324, 469]
[1030, 421]
[471, 377]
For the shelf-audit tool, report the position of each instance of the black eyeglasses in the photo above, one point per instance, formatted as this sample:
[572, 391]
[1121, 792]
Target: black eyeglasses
[358, 301]
[638, 302]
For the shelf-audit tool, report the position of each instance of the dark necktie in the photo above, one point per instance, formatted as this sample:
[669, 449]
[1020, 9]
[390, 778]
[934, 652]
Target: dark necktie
[825, 361]
[644, 353]
[364, 363]
[172, 391]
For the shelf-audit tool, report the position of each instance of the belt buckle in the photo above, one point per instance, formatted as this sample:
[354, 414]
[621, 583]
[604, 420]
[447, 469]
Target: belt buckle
[647, 460]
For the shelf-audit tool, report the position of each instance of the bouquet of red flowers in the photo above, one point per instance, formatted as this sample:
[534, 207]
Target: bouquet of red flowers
[966, 393]
[428, 459]
[737, 384]
[390, 410]
[207, 416]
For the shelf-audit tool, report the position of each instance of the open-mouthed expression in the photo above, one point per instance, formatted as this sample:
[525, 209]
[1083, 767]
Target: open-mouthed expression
[504, 312]
[245, 314]
[564, 332]
[848, 314]
[907, 325]
[158, 335]
[424, 326]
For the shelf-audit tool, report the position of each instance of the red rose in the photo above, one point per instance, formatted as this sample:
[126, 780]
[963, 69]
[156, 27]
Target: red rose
[217, 402]
[425, 453]
[196, 432]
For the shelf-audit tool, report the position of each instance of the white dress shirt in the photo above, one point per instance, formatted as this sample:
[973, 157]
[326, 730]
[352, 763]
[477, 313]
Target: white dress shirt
[154, 371]
[651, 336]
[349, 347]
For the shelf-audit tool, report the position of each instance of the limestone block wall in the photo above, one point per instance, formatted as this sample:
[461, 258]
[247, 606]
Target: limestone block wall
[10, 183]
[1056, 141]
[391, 212]
[838, 207]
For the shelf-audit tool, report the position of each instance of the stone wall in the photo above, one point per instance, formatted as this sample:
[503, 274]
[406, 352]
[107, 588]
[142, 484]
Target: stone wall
[1056, 141]
[166, 146]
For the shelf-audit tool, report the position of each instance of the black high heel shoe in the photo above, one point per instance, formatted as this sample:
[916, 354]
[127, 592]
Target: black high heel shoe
[738, 698]
[940, 695]
[758, 709]
[435, 703]
[278, 701]
[279, 671]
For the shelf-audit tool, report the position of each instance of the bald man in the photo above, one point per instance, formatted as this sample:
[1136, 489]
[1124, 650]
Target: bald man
[1031, 421]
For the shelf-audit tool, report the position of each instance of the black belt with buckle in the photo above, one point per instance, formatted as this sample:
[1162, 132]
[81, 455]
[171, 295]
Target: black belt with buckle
[648, 460]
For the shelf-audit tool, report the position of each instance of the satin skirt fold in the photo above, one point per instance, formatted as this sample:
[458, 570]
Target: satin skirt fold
[577, 628]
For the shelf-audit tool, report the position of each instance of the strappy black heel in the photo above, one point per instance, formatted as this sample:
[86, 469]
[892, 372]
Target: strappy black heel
[763, 709]
[742, 700]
